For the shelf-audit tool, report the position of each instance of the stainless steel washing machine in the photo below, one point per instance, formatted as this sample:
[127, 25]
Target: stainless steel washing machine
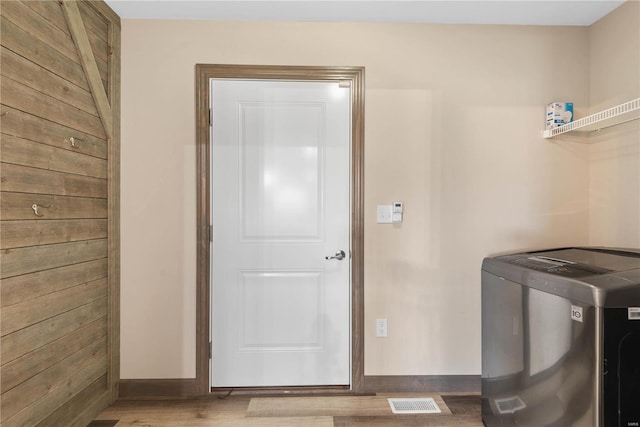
[561, 338]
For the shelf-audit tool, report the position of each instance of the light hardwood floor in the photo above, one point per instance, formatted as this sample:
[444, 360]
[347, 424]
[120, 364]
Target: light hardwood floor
[236, 411]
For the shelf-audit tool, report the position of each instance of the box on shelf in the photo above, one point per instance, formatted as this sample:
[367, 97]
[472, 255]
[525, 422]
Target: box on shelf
[559, 113]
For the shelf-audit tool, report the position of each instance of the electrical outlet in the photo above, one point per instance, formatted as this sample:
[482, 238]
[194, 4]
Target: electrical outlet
[381, 327]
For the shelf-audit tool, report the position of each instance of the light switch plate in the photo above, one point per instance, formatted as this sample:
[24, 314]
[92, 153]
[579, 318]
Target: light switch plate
[385, 214]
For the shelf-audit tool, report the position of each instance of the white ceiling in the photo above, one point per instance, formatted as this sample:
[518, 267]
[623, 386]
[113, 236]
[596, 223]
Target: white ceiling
[516, 12]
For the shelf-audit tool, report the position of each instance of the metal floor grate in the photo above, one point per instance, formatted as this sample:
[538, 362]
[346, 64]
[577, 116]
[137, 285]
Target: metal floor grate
[423, 405]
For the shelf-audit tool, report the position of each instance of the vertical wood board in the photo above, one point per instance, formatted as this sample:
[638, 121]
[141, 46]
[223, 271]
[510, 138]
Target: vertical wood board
[114, 201]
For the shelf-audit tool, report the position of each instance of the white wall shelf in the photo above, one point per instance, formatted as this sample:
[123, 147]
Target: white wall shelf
[610, 117]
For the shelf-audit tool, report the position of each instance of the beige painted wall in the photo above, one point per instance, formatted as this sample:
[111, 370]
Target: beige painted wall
[454, 116]
[615, 152]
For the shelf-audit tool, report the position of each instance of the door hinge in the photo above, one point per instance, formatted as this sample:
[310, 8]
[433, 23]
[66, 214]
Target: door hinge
[210, 117]
[210, 349]
[210, 233]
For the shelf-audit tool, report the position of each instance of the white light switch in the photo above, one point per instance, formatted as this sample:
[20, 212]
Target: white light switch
[385, 214]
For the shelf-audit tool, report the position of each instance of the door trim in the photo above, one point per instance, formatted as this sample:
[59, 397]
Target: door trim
[355, 75]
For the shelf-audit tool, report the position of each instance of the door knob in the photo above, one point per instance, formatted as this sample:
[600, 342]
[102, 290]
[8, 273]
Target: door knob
[339, 256]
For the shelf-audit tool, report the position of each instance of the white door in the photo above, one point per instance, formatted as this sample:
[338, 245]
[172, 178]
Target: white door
[280, 313]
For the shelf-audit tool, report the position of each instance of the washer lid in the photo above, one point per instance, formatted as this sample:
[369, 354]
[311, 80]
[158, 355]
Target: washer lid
[595, 260]
[595, 276]
[558, 266]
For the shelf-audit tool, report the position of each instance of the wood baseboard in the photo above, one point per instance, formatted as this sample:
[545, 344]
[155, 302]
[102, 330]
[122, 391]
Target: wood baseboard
[420, 383]
[148, 389]
[184, 388]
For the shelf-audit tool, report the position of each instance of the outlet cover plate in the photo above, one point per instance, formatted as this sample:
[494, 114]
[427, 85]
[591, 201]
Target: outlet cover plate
[381, 328]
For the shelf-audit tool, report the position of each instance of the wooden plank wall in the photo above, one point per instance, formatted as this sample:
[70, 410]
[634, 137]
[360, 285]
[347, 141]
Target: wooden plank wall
[59, 220]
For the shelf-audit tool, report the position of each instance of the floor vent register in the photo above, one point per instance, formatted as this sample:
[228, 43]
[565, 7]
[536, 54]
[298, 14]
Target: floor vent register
[414, 406]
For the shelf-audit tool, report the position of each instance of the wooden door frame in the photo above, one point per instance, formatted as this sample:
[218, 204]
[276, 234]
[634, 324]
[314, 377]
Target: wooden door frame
[354, 75]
